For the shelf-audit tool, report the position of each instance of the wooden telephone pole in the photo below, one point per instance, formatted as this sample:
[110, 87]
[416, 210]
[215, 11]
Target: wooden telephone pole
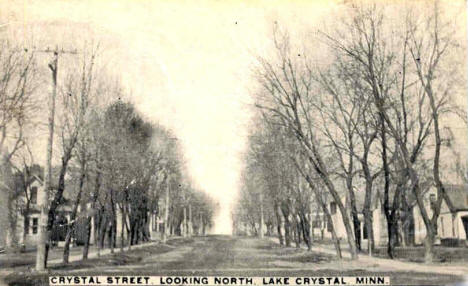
[43, 200]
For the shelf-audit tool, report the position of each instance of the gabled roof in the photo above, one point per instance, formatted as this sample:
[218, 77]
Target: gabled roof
[55, 172]
[457, 196]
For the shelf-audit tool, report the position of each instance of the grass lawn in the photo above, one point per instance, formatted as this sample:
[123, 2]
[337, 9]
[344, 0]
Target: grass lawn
[416, 254]
[24, 276]
[28, 257]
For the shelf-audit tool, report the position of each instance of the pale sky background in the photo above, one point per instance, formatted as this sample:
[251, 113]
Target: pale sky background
[187, 65]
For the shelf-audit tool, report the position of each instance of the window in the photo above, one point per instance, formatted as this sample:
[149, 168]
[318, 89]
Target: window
[333, 208]
[33, 196]
[26, 225]
[35, 221]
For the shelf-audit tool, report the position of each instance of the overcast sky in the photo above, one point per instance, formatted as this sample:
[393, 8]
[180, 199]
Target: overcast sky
[187, 65]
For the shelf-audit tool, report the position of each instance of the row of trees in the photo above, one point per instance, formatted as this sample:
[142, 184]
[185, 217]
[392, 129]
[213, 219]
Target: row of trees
[115, 169]
[375, 117]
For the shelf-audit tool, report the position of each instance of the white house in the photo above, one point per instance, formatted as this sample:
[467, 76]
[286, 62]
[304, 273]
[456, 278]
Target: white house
[453, 219]
[378, 218]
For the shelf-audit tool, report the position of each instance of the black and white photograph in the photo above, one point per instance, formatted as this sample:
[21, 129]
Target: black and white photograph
[235, 142]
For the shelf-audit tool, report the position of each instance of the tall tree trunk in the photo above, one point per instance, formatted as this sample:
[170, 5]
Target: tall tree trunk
[389, 214]
[88, 238]
[323, 205]
[354, 217]
[122, 229]
[427, 73]
[369, 229]
[4, 223]
[441, 194]
[111, 236]
[204, 228]
[287, 225]
[367, 211]
[408, 164]
[71, 226]
[25, 227]
[305, 230]
[368, 217]
[8, 202]
[352, 199]
[311, 227]
[57, 197]
[102, 232]
[392, 222]
[89, 221]
[279, 222]
[12, 244]
[190, 224]
[321, 170]
[262, 220]
[128, 226]
[166, 210]
[112, 222]
[297, 230]
[27, 207]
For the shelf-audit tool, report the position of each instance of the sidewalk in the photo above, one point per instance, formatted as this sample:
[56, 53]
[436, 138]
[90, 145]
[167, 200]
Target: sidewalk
[381, 264]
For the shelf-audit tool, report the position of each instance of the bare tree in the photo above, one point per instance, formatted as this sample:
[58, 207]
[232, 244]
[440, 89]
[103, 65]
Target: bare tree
[75, 99]
[289, 94]
[430, 44]
[400, 94]
[82, 148]
[17, 105]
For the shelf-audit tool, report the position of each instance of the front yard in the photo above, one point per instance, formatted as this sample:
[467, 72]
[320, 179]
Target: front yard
[443, 254]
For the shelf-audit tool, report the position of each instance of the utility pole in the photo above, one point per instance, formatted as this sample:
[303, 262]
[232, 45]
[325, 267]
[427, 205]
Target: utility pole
[43, 198]
[166, 210]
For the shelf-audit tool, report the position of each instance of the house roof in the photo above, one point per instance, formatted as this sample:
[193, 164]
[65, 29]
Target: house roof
[55, 172]
[457, 196]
